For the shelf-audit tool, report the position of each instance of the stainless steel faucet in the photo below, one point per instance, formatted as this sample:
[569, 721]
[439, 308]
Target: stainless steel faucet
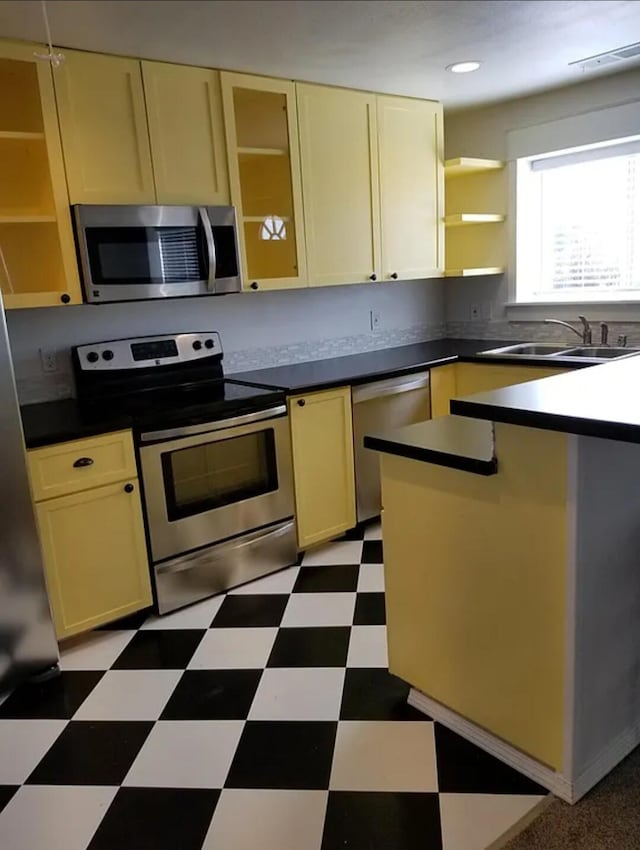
[604, 333]
[584, 334]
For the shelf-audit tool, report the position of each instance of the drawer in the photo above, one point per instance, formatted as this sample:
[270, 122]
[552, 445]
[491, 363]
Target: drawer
[81, 465]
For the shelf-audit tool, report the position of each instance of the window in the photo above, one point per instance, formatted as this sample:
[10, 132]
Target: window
[273, 229]
[578, 225]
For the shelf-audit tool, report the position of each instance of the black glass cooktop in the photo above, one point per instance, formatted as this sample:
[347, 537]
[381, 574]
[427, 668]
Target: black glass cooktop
[183, 405]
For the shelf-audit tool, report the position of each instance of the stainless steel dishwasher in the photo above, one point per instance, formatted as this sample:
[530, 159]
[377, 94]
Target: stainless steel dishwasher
[378, 407]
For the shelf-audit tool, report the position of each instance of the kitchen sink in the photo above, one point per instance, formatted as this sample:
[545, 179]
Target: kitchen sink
[532, 349]
[570, 352]
[600, 351]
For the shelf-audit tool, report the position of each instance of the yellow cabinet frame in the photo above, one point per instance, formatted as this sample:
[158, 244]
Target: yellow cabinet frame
[229, 82]
[38, 266]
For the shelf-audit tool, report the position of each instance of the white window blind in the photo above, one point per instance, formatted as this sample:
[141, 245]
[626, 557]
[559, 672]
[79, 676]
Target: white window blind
[579, 233]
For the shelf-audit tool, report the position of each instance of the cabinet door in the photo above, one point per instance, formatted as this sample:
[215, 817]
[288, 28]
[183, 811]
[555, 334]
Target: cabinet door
[338, 145]
[411, 187]
[186, 130]
[103, 123]
[261, 127]
[95, 556]
[38, 266]
[322, 442]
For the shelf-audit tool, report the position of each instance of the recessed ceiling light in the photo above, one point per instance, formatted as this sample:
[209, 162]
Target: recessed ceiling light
[463, 67]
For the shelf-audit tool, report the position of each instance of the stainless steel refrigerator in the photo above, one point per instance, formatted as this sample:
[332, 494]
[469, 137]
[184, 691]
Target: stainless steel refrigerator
[27, 640]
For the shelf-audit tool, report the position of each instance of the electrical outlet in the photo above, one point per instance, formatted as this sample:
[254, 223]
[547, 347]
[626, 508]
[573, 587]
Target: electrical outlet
[374, 320]
[475, 312]
[48, 359]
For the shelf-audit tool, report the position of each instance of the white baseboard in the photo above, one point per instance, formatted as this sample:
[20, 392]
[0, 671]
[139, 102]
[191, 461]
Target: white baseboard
[545, 776]
[606, 760]
[559, 784]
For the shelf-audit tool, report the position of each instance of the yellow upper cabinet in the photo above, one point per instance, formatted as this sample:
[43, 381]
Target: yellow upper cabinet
[184, 108]
[103, 124]
[411, 187]
[338, 144]
[37, 256]
[264, 172]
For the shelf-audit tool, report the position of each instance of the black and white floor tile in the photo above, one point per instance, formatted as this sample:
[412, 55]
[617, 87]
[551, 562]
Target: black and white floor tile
[263, 719]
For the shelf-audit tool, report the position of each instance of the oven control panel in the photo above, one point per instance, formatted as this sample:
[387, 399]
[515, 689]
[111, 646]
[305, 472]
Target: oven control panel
[148, 351]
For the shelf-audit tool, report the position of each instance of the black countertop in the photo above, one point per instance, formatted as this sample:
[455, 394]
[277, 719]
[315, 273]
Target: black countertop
[452, 441]
[603, 401]
[58, 421]
[372, 365]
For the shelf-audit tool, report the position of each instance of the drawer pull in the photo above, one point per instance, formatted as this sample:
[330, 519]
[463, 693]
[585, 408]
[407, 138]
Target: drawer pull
[128, 488]
[83, 461]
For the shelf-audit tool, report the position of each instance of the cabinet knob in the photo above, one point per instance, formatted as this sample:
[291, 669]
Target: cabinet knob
[65, 298]
[394, 275]
[254, 285]
[373, 277]
[301, 402]
[83, 461]
[128, 488]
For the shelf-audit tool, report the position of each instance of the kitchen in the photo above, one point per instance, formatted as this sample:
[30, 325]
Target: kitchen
[191, 459]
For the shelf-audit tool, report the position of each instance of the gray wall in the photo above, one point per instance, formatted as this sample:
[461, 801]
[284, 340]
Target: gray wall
[483, 132]
[258, 329]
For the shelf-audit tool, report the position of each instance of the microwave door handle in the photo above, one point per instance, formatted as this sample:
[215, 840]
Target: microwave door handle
[211, 247]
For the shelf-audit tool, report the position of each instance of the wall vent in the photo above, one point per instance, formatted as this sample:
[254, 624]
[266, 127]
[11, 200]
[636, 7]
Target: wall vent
[620, 54]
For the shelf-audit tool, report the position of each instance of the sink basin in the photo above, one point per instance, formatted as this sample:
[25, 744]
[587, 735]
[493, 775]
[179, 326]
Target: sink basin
[600, 352]
[553, 350]
[532, 349]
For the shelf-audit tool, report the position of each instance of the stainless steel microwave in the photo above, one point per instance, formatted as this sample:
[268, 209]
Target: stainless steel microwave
[134, 253]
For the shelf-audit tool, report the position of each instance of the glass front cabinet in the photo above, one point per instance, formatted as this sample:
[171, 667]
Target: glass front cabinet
[264, 171]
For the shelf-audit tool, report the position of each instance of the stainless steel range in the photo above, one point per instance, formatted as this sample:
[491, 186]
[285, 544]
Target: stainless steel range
[214, 456]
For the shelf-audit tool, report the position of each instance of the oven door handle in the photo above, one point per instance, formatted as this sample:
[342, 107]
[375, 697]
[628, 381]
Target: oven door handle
[206, 427]
[211, 247]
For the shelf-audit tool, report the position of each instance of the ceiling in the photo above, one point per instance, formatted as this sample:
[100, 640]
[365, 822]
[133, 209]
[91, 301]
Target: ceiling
[383, 45]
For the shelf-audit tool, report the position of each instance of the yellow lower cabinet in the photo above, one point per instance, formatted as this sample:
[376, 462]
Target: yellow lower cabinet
[483, 377]
[456, 380]
[475, 583]
[95, 556]
[442, 382]
[322, 443]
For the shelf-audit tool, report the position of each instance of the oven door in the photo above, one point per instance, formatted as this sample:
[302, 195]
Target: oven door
[135, 253]
[206, 483]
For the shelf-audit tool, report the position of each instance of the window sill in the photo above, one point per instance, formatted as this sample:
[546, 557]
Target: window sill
[614, 311]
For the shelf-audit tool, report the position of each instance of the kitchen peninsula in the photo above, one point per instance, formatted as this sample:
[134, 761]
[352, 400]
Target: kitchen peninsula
[511, 534]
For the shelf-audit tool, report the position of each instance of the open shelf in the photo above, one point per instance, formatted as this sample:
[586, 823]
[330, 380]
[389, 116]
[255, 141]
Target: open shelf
[26, 219]
[464, 165]
[18, 135]
[471, 218]
[263, 151]
[474, 272]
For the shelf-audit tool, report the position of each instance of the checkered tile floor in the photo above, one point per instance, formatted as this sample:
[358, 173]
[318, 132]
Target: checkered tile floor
[263, 719]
